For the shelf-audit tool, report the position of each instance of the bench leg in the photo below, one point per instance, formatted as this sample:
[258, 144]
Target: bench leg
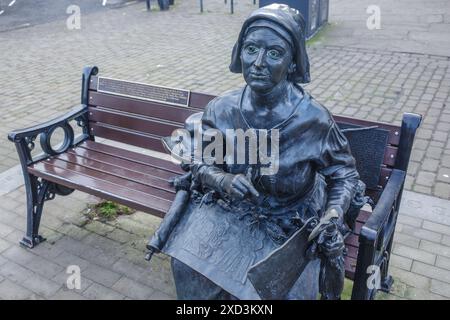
[37, 192]
[366, 257]
[369, 257]
[386, 279]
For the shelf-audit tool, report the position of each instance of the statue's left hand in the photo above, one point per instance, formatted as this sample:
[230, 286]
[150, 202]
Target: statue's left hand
[327, 236]
[331, 242]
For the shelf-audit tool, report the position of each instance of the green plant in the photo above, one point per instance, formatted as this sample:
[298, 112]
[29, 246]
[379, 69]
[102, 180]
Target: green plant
[107, 210]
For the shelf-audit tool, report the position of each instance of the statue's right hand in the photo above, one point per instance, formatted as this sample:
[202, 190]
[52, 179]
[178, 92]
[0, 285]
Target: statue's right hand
[239, 186]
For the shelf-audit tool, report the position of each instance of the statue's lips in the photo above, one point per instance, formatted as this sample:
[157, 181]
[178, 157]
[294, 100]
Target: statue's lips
[259, 76]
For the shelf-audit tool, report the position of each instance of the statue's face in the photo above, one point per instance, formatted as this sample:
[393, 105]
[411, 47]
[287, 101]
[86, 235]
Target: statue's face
[266, 59]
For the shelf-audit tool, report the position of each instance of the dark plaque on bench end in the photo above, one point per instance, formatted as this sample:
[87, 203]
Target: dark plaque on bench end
[144, 91]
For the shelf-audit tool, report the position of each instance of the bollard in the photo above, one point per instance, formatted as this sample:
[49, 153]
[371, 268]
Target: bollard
[163, 5]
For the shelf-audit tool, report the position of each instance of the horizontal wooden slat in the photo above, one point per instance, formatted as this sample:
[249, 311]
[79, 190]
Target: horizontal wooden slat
[352, 244]
[200, 100]
[390, 155]
[132, 122]
[132, 156]
[115, 161]
[161, 185]
[141, 107]
[131, 197]
[358, 226]
[350, 266]
[363, 216]
[120, 181]
[126, 136]
[352, 240]
[384, 176]
[352, 252]
[93, 83]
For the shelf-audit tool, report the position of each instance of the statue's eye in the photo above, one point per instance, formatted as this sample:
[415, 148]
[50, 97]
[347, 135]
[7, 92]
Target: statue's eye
[274, 54]
[251, 49]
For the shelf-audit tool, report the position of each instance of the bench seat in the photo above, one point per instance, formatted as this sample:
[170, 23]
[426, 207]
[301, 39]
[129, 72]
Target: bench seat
[134, 179]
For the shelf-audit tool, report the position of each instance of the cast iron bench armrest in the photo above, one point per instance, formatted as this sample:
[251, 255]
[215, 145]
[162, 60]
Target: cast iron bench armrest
[379, 219]
[375, 239]
[24, 138]
[75, 112]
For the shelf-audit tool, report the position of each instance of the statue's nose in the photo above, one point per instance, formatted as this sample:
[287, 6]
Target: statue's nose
[259, 62]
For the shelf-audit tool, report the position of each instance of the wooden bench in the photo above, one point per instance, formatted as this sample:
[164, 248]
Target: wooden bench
[141, 181]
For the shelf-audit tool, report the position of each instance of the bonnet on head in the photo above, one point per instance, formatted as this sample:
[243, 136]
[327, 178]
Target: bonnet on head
[289, 24]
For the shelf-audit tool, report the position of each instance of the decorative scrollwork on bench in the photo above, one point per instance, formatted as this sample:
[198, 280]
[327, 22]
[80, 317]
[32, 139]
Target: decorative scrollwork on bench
[82, 122]
[30, 142]
[46, 137]
[48, 190]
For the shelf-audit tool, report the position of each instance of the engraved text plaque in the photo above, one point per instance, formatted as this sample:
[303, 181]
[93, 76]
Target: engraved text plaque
[144, 91]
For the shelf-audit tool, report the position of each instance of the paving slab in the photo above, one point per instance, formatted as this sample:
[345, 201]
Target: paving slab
[405, 25]
[12, 291]
[98, 292]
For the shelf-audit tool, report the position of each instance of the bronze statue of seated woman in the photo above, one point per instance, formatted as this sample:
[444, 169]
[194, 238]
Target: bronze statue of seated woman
[250, 228]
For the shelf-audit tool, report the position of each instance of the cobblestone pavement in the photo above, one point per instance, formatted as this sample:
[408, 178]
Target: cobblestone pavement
[405, 25]
[40, 74]
[110, 255]
[21, 14]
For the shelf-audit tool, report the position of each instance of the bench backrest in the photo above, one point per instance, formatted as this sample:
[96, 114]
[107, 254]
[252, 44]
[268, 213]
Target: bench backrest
[138, 122]
[142, 123]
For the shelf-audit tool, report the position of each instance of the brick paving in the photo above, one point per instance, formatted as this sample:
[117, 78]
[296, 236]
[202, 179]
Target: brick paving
[365, 83]
[110, 269]
[405, 25]
[110, 255]
[41, 78]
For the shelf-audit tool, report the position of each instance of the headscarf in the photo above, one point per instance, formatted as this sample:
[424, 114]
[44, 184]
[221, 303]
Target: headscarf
[286, 22]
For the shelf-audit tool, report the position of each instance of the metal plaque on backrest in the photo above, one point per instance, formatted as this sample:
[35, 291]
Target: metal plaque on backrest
[144, 91]
[368, 147]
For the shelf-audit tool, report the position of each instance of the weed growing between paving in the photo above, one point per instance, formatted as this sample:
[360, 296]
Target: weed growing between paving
[107, 211]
